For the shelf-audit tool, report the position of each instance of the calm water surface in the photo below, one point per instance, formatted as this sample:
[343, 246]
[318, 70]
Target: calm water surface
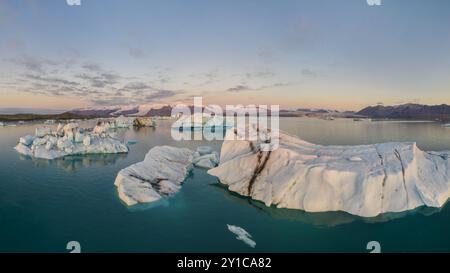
[44, 204]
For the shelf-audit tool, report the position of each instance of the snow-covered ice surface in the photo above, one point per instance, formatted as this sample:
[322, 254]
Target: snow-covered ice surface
[69, 140]
[160, 175]
[365, 180]
[242, 235]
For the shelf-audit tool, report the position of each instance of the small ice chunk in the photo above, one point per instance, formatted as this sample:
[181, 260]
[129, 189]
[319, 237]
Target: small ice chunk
[206, 161]
[204, 150]
[242, 235]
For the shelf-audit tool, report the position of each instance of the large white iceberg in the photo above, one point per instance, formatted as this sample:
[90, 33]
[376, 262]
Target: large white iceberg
[159, 175]
[365, 180]
[68, 140]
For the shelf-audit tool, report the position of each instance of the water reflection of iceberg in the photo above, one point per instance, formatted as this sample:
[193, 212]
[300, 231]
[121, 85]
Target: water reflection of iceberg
[163, 202]
[74, 163]
[327, 219]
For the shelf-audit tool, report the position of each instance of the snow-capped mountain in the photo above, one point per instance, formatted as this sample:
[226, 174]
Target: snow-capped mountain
[147, 110]
[126, 110]
[408, 111]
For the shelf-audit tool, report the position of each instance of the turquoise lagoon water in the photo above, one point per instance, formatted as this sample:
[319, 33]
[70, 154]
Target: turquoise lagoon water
[45, 204]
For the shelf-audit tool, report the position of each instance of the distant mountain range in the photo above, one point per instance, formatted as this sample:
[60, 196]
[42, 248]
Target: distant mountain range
[408, 111]
[133, 110]
[404, 111]
[150, 110]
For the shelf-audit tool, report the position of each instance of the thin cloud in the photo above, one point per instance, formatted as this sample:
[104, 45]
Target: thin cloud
[308, 73]
[243, 88]
[137, 86]
[32, 64]
[239, 88]
[92, 67]
[54, 80]
[136, 53]
[260, 74]
[161, 94]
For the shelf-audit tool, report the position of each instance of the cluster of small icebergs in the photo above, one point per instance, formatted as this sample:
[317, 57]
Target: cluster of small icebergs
[71, 139]
[2, 124]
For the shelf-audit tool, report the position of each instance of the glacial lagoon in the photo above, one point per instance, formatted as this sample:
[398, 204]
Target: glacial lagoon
[45, 204]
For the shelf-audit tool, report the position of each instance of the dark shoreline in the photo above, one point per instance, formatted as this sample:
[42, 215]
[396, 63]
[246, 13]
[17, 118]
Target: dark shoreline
[36, 117]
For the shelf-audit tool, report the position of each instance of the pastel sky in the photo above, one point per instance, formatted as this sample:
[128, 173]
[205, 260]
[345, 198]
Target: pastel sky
[341, 54]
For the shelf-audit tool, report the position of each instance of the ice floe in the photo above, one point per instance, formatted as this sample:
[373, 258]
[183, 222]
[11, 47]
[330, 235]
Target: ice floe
[363, 180]
[242, 235]
[160, 175]
[205, 157]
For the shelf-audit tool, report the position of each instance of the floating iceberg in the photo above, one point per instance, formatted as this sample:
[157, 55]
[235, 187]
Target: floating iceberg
[50, 121]
[123, 122]
[199, 121]
[242, 235]
[365, 180]
[144, 122]
[160, 175]
[68, 140]
[205, 157]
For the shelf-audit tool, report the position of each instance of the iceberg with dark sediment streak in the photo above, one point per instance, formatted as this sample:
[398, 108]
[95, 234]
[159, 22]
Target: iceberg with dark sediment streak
[363, 180]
